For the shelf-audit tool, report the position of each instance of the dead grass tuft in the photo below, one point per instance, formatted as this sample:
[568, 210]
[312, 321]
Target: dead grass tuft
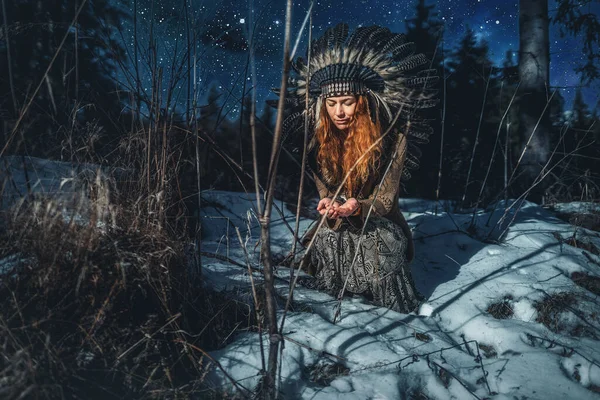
[423, 337]
[586, 281]
[103, 313]
[502, 309]
[323, 373]
[417, 395]
[488, 350]
[589, 219]
[551, 307]
[589, 246]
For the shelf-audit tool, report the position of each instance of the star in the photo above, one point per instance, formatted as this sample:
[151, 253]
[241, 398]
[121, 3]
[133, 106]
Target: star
[225, 44]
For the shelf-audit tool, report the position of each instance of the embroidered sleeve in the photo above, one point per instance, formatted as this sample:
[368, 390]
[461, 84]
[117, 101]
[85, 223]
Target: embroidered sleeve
[386, 192]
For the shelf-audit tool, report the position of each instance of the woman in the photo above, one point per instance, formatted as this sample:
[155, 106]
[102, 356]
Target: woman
[360, 94]
[349, 143]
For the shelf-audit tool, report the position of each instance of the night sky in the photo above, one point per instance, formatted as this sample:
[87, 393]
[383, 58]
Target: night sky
[225, 25]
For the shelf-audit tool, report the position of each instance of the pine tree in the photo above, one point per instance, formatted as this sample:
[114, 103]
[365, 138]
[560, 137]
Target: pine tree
[580, 116]
[425, 29]
[578, 135]
[576, 176]
[510, 71]
[209, 113]
[468, 71]
[575, 18]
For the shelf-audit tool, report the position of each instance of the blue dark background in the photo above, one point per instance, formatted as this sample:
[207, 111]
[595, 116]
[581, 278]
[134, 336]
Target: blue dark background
[225, 48]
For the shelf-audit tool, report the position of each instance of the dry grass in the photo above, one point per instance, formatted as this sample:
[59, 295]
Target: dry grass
[586, 281]
[323, 373]
[502, 309]
[111, 312]
[488, 350]
[589, 220]
[551, 307]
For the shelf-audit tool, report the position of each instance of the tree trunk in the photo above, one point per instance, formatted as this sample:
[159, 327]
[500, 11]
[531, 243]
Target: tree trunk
[534, 68]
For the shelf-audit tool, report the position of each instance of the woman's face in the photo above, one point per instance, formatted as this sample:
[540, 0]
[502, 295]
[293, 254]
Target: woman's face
[341, 110]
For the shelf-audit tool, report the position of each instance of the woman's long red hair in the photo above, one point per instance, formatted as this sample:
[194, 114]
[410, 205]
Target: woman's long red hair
[338, 152]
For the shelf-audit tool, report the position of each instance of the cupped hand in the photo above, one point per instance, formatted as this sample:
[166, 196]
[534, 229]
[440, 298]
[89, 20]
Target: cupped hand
[346, 209]
[335, 210]
[325, 207]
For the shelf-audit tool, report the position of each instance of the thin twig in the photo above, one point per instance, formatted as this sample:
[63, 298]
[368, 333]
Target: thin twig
[253, 110]
[530, 137]
[169, 322]
[541, 176]
[476, 138]
[218, 364]
[255, 297]
[555, 342]
[274, 336]
[9, 61]
[439, 182]
[493, 153]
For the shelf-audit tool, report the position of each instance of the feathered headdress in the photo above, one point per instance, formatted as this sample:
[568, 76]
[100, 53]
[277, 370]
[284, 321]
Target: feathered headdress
[374, 62]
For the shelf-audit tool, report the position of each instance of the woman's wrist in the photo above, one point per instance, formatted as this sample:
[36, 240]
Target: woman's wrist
[357, 209]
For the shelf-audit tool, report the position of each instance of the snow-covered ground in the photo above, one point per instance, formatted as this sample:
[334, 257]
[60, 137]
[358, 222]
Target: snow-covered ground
[480, 334]
[455, 348]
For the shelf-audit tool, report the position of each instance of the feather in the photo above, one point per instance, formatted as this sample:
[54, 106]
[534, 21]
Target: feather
[272, 103]
[353, 55]
[402, 51]
[298, 65]
[382, 104]
[358, 38]
[397, 40]
[411, 62]
[378, 39]
[420, 130]
[318, 47]
[340, 35]
[427, 72]
[317, 108]
[328, 37]
[292, 125]
[425, 81]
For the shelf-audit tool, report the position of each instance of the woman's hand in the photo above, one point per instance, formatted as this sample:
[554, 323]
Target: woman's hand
[347, 209]
[336, 210]
[325, 207]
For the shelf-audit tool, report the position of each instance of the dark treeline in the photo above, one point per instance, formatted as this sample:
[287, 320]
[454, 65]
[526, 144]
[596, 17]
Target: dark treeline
[481, 145]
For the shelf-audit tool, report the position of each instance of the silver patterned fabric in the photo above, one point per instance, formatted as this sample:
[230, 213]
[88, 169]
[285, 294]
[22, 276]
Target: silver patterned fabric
[380, 271]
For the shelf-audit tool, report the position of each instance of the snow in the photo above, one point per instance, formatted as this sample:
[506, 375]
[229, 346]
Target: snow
[66, 187]
[453, 348]
[577, 206]
[462, 270]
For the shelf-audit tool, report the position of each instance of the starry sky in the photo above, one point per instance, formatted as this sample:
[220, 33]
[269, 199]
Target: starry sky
[224, 27]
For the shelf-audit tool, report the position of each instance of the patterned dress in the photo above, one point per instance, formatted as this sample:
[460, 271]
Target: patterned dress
[368, 254]
[378, 270]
